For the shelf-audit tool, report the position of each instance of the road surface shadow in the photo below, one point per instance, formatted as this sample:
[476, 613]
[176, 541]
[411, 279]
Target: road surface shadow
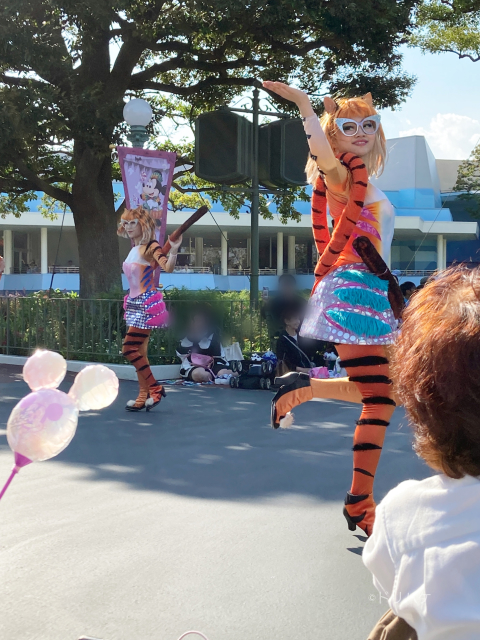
[216, 443]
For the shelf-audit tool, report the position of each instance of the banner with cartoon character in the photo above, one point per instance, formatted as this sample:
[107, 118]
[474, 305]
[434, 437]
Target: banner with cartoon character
[147, 177]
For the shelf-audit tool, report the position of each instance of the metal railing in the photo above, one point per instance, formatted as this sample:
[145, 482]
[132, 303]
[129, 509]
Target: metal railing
[192, 270]
[57, 269]
[416, 272]
[93, 330]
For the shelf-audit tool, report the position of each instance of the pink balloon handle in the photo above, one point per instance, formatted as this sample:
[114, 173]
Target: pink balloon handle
[20, 461]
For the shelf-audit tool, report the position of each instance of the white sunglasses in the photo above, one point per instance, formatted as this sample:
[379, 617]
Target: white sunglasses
[129, 223]
[369, 125]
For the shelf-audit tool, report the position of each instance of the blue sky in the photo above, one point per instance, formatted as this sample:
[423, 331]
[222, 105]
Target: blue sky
[444, 106]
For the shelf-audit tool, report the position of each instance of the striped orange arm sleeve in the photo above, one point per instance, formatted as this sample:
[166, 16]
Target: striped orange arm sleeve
[154, 252]
[348, 219]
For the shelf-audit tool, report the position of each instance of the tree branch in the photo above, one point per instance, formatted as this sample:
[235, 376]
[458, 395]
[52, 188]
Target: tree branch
[42, 185]
[21, 81]
[16, 186]
[329, 43]
[460, 55]
[191, 190]
[155, 69]
[126, 61]
[203, 84]
[171, 45]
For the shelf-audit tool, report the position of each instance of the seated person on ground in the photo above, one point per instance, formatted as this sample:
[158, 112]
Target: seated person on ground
[286, 299]
[289, 349]
[202, 339]
[424, 552]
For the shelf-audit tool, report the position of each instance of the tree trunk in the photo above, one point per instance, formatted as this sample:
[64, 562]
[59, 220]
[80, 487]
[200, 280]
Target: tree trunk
[96, 226]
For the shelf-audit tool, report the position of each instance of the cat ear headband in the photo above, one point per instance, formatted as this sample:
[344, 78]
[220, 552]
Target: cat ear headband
[331, 106]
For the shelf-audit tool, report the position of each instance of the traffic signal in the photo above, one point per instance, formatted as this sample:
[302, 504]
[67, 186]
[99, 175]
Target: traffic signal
[283, 154]
[223, 147]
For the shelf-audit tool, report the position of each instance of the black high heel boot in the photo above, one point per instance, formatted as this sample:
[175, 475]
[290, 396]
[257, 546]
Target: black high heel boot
[296, 389]
[365, 513]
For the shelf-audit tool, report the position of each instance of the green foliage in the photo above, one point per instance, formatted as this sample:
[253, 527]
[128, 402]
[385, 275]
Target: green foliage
[65, 69]
[468, 182]
[15, 203]
[93, 330]
[448, 26]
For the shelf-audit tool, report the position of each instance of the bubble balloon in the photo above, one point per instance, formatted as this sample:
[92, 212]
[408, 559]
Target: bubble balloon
[42, 424]
[95, 387]
[44, 370]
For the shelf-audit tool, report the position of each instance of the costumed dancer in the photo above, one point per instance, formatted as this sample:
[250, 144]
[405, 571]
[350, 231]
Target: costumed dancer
[350, 305]
[144, 306]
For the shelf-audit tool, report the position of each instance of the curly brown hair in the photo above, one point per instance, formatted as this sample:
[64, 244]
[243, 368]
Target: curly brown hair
[436, 370]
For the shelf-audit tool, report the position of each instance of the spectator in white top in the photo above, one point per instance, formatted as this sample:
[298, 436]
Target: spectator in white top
[424, 552]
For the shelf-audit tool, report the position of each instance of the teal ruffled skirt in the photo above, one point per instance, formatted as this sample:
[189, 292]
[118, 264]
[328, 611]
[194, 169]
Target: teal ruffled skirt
[350, 306]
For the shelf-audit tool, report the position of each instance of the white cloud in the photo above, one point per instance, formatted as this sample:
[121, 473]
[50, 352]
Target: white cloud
[449, 135]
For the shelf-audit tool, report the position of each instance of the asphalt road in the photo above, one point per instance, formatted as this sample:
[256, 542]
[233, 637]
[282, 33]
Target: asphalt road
[197, 515]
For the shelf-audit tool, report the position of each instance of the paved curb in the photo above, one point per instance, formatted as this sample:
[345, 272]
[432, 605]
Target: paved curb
[123, 371]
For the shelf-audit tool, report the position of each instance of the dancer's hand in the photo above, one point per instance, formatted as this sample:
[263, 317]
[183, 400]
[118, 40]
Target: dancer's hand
[175, 245]
[300, 98]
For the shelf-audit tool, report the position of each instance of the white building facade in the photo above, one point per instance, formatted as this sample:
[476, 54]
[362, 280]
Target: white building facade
[216, 251]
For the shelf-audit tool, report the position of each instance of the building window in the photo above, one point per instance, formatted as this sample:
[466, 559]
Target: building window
[414, 255]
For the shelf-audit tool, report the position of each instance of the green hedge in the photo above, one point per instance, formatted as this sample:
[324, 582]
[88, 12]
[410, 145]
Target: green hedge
[93, 330]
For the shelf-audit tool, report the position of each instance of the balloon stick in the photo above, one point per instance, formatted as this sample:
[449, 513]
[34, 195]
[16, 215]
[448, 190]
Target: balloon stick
[20, 461]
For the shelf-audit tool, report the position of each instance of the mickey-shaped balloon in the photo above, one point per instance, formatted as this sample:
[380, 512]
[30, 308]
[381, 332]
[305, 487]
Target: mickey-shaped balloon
[43, 423]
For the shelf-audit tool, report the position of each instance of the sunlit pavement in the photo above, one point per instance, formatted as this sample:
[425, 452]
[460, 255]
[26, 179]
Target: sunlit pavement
[196, 515]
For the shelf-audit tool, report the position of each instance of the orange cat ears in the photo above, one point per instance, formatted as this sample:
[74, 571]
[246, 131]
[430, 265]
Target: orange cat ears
[331, 106]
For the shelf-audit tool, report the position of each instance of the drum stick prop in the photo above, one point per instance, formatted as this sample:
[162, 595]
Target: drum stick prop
[199, 213]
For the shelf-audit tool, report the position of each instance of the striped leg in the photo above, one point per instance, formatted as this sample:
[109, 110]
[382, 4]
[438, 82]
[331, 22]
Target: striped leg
[368, 367]
[133, 350]
[139, 403]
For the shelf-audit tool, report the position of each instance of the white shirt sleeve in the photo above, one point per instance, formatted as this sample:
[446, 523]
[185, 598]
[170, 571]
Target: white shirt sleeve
[320, 149]
[377, 556]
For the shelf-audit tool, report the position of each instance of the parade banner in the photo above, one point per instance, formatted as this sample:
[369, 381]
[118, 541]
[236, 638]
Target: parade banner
[147, 177]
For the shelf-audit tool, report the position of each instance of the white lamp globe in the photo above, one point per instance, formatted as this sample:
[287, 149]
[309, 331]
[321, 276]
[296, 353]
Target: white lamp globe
[137, 112]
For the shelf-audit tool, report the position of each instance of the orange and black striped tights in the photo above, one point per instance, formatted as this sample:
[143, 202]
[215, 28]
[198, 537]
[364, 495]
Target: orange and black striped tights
[368, 367]
[134, 349]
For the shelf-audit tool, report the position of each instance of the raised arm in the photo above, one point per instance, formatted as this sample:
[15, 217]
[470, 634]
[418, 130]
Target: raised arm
[320, 149]
[154, 252]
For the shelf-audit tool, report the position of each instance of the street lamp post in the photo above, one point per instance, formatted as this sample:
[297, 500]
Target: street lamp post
[137, 114]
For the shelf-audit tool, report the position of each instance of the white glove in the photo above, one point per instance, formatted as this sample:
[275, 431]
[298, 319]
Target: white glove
[175, 245]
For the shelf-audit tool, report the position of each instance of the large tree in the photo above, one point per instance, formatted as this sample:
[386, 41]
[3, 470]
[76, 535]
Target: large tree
[449, 26]
[66, 67]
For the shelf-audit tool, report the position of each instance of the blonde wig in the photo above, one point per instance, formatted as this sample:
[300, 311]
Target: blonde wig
[144, 220]
[351, 108]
